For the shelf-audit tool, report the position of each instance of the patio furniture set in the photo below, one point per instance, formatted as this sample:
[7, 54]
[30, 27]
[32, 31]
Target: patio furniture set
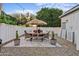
[40, 35]
[36, 34]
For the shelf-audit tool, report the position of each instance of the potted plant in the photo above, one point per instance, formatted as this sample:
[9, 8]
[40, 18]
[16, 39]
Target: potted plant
[25, 34]
[17, 40]
[53, 40]
[0, 44]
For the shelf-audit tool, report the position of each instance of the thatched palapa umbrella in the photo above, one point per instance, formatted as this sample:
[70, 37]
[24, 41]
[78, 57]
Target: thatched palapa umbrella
[36, 22]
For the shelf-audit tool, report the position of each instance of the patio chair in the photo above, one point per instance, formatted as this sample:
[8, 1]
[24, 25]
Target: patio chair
[36, 33]
[41, 36]
[39, 31]
[29, 35]
[44, 36]
[26, 34]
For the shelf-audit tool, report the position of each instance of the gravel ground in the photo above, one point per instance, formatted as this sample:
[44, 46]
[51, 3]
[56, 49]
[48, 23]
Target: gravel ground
[67, 49]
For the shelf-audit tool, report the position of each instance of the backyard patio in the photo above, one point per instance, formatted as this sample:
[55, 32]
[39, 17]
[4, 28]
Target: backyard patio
[36, 46]
[39, 34]
[67, 49]
[35, 43]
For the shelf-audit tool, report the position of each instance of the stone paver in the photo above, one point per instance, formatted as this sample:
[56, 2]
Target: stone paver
[67, 49]
[35, 43]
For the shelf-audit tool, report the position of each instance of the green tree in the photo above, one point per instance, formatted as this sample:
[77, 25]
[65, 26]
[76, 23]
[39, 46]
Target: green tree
[51, 16]
[22, 19]
[7, 19]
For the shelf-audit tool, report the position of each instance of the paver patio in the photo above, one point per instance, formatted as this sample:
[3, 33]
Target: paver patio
[67, 49]
[35, 43]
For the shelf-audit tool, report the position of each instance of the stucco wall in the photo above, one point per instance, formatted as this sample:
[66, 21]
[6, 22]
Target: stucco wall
[72, 25]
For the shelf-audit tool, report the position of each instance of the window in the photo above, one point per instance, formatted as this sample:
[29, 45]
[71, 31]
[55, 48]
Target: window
[63, 25]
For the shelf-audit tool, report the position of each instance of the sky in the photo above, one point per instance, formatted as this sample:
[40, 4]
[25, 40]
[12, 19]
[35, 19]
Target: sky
[10, 8]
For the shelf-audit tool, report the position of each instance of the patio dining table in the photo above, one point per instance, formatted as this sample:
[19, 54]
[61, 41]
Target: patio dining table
[37, 35]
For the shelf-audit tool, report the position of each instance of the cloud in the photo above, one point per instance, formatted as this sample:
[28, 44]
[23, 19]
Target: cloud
[25, 11]
[63, 6]
[40, 4]
[21, 11]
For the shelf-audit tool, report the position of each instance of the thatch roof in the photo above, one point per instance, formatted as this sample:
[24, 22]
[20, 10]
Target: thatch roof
[37, 22]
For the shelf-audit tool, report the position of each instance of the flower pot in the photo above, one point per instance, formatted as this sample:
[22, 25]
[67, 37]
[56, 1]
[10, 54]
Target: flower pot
[0, 48]
[17, 42]
[53, 41]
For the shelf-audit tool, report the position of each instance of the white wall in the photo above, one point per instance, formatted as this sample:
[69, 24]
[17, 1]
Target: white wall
[8, 32]
[72, 25]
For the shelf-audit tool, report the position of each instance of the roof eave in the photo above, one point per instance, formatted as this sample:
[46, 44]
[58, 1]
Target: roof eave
[70, 11]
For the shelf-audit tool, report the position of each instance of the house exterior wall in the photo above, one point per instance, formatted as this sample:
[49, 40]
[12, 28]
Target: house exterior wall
[72, 25]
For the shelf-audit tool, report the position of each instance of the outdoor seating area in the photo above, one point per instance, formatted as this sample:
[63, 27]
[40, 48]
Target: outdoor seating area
[36, 34]
[30, 40]
[34, 38]
[37, 38]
